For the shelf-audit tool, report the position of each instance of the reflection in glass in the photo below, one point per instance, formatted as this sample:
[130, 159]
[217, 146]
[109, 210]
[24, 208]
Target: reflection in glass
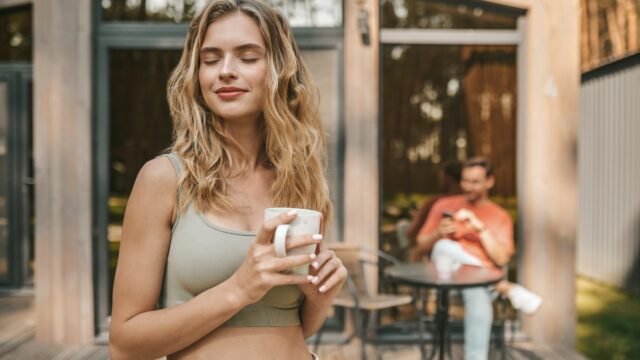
[15, 34]
[30, 191]
[4, 185]
[447, 14]
[301, 13]
[443, 103]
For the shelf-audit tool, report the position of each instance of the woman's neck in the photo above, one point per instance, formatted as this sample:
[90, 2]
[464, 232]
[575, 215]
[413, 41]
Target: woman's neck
[247, 136]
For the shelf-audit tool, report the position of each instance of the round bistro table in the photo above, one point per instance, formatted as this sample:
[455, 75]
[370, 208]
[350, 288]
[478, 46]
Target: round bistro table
[423, 275]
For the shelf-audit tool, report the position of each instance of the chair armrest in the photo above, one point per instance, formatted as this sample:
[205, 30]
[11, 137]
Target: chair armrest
[388, 257]
[368, 257]
[353, 292]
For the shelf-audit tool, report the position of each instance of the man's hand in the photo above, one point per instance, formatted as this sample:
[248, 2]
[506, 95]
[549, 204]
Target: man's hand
[470, 218]
[446, 227]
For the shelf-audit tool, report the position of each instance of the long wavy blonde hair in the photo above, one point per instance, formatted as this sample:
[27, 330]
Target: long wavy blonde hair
[293, 141]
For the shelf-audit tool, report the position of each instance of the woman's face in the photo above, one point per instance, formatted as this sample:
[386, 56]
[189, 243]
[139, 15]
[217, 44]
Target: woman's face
[233, 68]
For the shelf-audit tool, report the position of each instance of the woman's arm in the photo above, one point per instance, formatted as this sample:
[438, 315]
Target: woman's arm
[138, 329]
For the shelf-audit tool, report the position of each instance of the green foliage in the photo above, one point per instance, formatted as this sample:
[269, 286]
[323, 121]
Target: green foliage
[608, 322]
[117, 204]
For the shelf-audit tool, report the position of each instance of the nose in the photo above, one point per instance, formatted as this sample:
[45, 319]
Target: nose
[228, 69]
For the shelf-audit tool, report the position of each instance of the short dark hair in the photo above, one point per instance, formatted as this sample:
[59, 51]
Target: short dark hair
[482, 162]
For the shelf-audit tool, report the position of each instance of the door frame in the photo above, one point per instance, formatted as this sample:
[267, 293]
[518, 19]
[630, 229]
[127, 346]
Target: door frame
[17, 75]
[516, 37]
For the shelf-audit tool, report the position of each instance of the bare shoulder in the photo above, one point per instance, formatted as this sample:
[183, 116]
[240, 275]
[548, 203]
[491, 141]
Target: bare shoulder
[155, 187]
[158, 172]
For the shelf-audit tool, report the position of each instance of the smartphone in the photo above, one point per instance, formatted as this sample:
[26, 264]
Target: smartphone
[447, 214]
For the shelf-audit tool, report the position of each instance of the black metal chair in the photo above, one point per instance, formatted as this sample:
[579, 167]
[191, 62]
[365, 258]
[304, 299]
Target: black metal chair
[355, 295]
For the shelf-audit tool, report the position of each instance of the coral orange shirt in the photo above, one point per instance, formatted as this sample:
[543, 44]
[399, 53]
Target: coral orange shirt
[496, 220]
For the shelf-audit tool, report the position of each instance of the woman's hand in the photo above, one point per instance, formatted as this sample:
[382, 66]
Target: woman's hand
[263, 270]
[326, 277]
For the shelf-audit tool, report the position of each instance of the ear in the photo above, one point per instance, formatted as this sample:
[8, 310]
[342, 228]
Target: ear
[491, 181]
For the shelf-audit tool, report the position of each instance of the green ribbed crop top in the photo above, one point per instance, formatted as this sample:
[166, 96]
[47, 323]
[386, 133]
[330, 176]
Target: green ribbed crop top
[202, 255]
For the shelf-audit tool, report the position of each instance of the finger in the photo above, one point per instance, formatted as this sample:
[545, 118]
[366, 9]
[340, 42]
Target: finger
[288, 279]
[337, 277]
[448, 230]
[294, 242]
[322, 258]
[446, 221]
[265, 234]
[288, 262]
[327, 269]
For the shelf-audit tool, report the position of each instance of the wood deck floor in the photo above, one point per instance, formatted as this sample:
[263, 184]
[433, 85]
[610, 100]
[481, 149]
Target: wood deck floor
[17, 341]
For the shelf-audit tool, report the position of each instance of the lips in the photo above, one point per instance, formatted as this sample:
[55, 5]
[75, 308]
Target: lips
[230, 92]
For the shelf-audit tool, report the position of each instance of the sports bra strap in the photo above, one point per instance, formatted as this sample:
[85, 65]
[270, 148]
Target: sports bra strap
[179, 167]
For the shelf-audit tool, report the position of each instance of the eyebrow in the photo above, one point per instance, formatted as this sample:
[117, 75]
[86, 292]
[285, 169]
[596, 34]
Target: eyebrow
[250, 46]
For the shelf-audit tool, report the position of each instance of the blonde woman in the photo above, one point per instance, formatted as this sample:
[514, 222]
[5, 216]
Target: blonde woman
[197, 275]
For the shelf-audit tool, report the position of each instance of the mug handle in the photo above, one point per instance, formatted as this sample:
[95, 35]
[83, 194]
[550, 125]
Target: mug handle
[280, 240]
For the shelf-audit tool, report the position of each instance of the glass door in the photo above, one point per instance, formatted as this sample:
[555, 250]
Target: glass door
[449, 90]
[4, 182]
[17, 218]
[16, 177]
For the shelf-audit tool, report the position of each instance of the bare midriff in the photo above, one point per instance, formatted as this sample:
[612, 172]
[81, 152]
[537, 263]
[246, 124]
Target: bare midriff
[246, 343]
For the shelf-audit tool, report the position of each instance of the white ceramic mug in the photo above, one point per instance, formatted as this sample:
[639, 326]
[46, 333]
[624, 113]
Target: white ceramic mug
[306, 223]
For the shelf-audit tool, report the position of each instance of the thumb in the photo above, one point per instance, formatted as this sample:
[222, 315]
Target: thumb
[266, 232]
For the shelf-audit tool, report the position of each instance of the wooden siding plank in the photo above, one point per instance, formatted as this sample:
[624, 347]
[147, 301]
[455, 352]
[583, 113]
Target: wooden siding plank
[62, 156]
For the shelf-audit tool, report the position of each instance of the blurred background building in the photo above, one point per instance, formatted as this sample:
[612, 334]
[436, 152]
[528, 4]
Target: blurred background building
[405, 85]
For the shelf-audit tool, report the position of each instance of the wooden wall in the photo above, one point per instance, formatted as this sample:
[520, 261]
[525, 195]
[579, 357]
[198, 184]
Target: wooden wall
[548, 167]
[62, 151]
[361, 185]
[361, 193]
[609, 232]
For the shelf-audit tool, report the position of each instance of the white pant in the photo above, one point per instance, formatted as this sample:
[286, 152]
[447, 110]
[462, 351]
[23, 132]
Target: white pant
[478, 314]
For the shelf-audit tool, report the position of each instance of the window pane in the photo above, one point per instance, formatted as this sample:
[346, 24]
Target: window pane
[449, 14]
[301, 13]
[443, 103]
[4, 185]
[15, 34]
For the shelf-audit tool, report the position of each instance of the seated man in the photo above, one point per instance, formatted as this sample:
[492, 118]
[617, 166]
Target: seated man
[476, 231]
